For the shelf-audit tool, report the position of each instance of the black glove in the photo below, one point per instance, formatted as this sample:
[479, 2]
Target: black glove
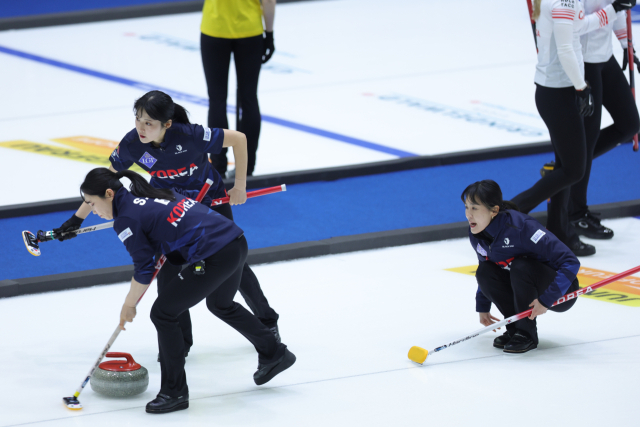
[269, 48]
[619, 5]
[625, 60]
[584, 100]
[71, 224]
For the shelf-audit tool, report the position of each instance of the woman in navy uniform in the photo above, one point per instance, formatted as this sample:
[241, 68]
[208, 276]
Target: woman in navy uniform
[149, 220]
[522, 265]
[175, 153]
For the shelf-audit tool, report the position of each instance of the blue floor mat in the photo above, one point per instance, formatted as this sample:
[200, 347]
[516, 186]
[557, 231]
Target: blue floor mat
[42, 7]
[321, 210]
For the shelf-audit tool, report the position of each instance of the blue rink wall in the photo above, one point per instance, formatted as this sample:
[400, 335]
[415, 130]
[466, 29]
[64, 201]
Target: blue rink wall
[321, 210]
[12, 9]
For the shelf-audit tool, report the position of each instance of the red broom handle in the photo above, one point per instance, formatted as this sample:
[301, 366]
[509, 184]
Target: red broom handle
[250, 194]
[533, 23]
[586, 289]
[632, 81]
[576, 294]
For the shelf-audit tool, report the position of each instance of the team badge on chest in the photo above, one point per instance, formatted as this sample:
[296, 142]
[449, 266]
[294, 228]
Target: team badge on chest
[148, 160]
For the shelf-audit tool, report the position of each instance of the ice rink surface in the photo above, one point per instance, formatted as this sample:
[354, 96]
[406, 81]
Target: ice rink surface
[350, 319]
[419, 76]
[402, 76]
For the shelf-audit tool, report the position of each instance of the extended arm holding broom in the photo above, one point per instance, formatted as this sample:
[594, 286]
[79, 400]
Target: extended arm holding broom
[32, 241]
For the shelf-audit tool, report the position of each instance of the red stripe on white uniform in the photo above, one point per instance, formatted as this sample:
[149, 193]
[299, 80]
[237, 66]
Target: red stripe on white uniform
[603, 17]
[570, 18]
[621, 34]
[563, 14]
[571, 11]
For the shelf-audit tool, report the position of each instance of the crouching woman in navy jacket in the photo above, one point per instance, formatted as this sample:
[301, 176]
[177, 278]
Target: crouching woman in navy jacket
[149, 220]
[522, 265]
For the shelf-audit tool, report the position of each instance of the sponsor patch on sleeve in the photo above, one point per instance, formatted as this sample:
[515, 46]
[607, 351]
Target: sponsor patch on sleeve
[207, 134]
[481, 251]
[125, 234]
[537, 236]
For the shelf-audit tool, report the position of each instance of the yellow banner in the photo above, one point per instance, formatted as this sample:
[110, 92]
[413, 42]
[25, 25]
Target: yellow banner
[85, 149]
[90, 144]
[625, 291]
[50, 150]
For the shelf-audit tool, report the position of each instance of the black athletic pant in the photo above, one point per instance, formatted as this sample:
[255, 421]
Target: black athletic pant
[610, 89]
[247, 55]
[218, 285]
[558, 109]
[249, 289]
[513, 290]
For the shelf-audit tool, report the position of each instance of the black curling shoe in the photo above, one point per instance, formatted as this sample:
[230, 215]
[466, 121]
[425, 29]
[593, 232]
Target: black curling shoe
[502, 340]
[589, 226]
[276, 333]
[266, 372]
[519, 343]
[163, 404]
[580, 248]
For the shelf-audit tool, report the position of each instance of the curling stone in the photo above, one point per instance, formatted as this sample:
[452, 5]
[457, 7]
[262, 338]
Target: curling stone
[120, 378]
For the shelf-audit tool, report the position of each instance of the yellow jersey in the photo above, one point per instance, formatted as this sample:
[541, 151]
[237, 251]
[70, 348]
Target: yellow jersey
[232, 19]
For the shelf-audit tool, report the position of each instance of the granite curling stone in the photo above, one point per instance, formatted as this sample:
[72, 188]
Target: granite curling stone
[120, 378]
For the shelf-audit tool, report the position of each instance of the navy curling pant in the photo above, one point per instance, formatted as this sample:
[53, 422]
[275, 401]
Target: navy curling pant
[250, 286]
[558, 109]
[513, 290]
[218, 286]
[249, 289]
[166, 274]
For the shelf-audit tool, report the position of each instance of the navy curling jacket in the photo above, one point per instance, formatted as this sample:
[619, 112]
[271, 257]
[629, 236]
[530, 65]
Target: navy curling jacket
[180, 163]
[185, 230]
[516, 235]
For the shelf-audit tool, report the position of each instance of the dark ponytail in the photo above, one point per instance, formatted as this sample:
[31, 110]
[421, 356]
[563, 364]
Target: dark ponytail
[180, 114]
[487, 193]
[99, 180]
[159, 106]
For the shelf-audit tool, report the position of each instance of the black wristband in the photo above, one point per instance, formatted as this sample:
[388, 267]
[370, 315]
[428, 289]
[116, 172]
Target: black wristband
[76, 220]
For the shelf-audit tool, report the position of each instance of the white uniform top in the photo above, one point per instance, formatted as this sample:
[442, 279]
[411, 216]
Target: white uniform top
[596, 45]
[558, 30]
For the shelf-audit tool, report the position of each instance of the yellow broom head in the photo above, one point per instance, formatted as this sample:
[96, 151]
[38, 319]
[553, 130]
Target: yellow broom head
[418, 354]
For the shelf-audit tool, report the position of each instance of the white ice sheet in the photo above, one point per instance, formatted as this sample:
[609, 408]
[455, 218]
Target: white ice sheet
[350, 319]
